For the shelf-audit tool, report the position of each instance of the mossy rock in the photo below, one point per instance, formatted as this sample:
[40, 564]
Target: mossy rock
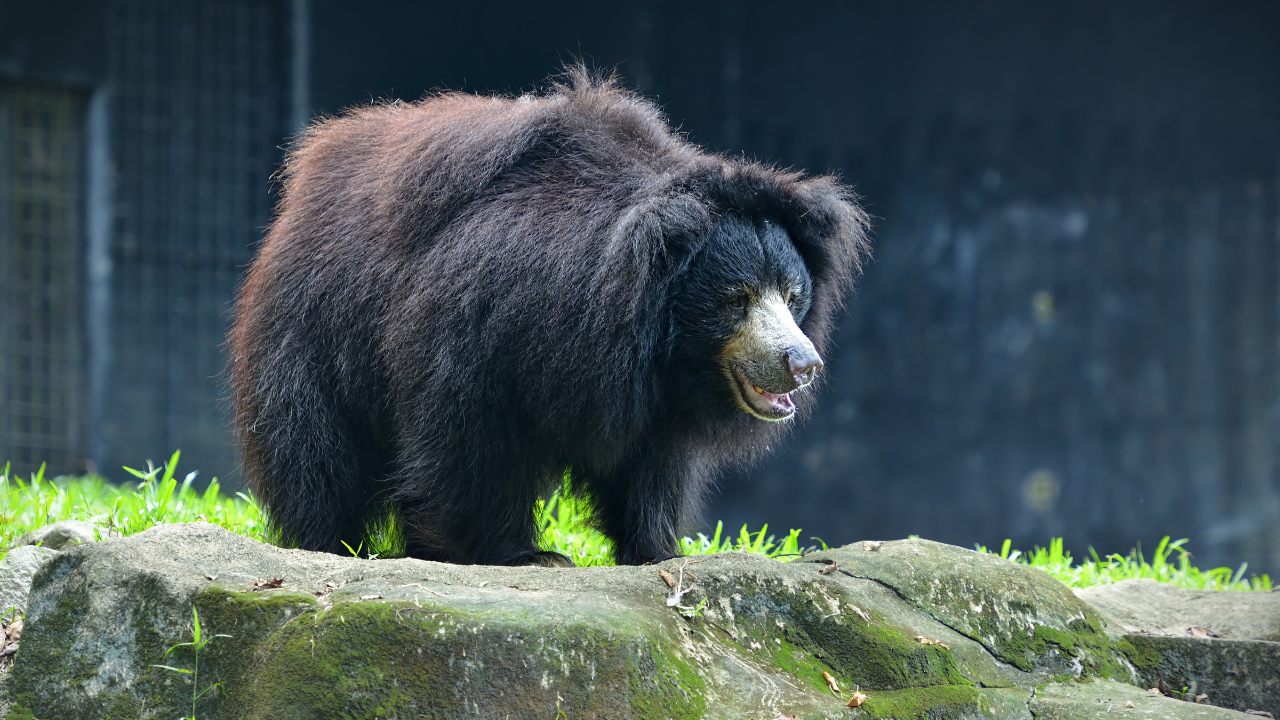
[319, 636]
[1022, 616]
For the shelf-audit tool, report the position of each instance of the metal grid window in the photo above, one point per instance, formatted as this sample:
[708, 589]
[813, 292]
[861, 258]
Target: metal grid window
[40, 176]
[198, 101]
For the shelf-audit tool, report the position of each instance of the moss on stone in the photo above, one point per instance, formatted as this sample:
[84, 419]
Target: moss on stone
[378, 659]
[801, 663]
[680, 695]
[562, 650]
[1044, 636]
[58, 657]
[1146, 656]
[1083, 641]
[228, 612]
[887, 656]
[936, 702]
[804, 640]
[18, 712]
[247, 618]
[999, 604]
[49, 657]
[123, 707]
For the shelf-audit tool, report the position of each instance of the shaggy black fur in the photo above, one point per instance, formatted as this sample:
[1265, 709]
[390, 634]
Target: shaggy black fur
[462, 297]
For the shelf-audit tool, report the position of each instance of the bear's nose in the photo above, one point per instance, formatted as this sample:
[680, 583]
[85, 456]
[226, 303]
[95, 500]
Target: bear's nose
[803, 363]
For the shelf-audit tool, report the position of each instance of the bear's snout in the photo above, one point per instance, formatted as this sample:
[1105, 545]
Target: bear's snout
[803, 363]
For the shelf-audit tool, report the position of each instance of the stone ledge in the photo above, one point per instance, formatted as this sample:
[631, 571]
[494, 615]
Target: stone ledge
[926, 630]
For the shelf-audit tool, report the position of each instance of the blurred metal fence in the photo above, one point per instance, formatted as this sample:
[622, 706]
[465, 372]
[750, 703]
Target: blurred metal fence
[40, 184]
[133, 184]
[197, 110]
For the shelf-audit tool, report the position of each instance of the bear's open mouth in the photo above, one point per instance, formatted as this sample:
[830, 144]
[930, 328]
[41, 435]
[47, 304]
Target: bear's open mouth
[762, 403]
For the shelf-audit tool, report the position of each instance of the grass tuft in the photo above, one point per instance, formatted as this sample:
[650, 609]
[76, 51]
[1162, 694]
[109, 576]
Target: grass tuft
[384, 534]
[565, 527]
[1114, 567]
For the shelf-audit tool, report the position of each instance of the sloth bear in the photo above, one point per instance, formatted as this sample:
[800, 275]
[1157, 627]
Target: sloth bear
[461, 299]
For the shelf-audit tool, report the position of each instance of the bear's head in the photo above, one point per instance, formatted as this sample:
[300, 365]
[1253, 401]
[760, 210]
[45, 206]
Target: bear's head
[738, 312]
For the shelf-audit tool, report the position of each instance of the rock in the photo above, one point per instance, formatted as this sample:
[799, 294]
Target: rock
[1166, 633]
[316, 635]
[16, 570]
[1021, 615]
[1106, 700]
[1239, 674]
[60, 535]
[1164, 609]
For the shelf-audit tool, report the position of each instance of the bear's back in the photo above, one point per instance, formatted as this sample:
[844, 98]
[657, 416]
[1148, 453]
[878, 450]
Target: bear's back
[405, 169]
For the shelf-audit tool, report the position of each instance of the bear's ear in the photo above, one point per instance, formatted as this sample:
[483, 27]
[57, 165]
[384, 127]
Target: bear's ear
[829, 229]
[663, 232]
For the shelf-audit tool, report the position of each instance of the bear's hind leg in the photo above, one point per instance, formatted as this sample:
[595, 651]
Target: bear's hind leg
[311, 471]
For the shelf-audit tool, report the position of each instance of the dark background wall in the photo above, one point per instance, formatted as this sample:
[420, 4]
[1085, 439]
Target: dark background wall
[1072, 324]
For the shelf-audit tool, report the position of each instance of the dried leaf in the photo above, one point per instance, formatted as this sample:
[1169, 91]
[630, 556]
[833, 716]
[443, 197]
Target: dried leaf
[14, 630]
[871, 545]
[857, 699]
[666, 578]
[1201, 697]
[1259, 713]
[930, 641]
[785, 717]
[829, 569]
[370, 597]
[211, 577]
[261, 584]
[1196, 631]
[831, 683]
[1129, 704]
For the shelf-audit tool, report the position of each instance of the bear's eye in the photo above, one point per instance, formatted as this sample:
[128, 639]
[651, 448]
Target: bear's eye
[738, 303]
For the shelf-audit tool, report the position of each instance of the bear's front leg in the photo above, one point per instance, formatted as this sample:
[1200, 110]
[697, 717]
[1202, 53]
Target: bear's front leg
[477, 510]
[641, 506]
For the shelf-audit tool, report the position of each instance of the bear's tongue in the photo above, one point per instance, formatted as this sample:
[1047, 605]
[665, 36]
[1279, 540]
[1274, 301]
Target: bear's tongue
[782, 402]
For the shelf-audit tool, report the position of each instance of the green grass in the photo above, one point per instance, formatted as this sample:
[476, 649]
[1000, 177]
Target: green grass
[1163, 567]
[122, 509]
[566, 529]
[160, 498]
